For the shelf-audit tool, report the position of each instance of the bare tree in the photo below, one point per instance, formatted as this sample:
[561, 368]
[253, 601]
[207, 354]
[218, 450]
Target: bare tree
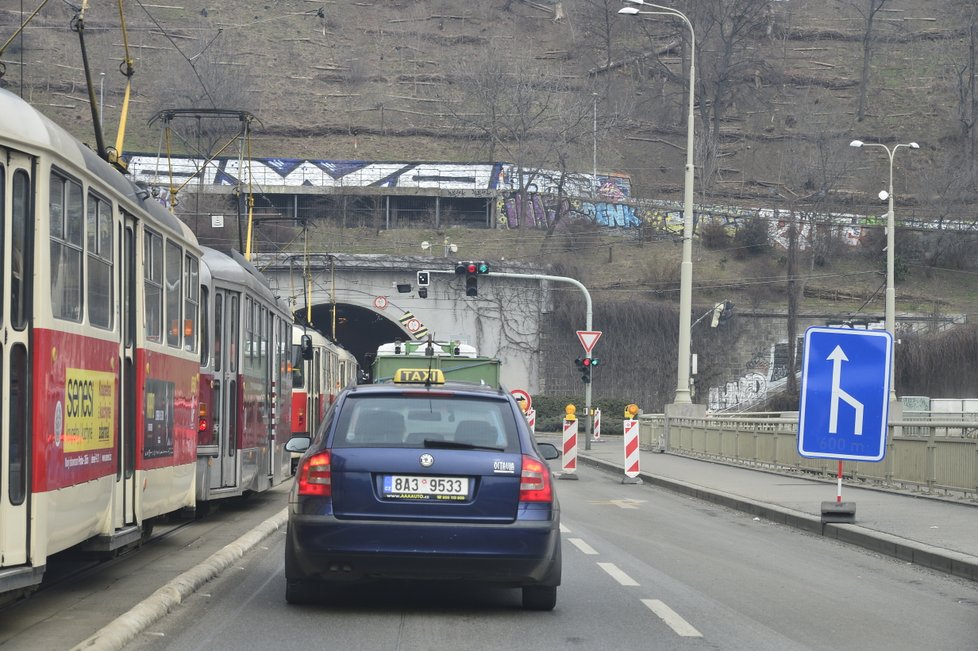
[725, 33]
[525, 113]
[966, 71]
[873, 7]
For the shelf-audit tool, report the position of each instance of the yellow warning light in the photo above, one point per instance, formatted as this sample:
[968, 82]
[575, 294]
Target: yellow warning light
[570, 412]
[631, 411]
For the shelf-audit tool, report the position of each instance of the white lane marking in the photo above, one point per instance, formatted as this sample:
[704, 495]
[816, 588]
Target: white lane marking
[583, 546]
[627, 503]
[671, 618]
[617, 574]
[564, 529]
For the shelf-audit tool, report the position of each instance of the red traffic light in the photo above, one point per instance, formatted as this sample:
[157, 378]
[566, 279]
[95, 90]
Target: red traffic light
[586, 361]
[471, 268]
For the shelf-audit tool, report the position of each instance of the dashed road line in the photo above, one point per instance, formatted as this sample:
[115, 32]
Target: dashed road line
[617, 574]
[583, 546]
[671, 618]
[564, 529]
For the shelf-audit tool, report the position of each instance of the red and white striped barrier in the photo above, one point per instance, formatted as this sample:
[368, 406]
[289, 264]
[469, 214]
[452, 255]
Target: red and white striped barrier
[570, 450]
[632, 461]
[597, 424]
[531, 420]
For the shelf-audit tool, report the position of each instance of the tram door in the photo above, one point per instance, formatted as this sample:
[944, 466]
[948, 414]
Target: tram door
[226, 319]
[16, 235]
[314, 413]
[126, 442]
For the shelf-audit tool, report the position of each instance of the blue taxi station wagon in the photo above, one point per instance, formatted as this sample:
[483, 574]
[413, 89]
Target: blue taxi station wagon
[424, 480]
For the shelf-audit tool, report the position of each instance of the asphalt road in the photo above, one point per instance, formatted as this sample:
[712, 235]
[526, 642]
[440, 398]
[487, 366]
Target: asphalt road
[643, 568]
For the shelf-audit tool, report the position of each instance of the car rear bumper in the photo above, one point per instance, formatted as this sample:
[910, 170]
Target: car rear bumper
[520, 553]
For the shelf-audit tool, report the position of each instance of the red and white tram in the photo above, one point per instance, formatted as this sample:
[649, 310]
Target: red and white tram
[320, 370]
[99, 358]
[244, 389]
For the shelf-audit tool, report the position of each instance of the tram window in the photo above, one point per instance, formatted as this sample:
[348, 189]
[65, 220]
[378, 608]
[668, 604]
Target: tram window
[174, 258]
[263, 338]
[298, 364]
[129, 287]
[233, 317]
[17, 457]
[101, 303]
[205, 330]
[20, 253]
[16, 271]
[218, 330]
[284, 343]
[192, 291]
[18, 248]
[153, 285]
[67, 226]
[249, 334]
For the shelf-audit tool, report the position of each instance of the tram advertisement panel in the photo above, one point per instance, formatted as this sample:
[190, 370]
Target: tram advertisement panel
[74, 410]
[158, 440]
[89, 413]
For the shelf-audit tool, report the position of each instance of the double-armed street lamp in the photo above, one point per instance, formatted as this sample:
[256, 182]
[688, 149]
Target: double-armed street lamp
[890, 229]
[686, 268]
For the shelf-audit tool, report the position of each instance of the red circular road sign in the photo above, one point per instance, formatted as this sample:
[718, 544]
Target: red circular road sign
[520, 394]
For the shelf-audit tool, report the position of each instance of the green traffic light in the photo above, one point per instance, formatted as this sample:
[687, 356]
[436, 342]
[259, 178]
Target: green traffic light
[483, 268]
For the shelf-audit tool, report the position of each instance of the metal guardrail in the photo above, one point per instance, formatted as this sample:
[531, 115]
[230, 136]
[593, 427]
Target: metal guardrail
[933, 457]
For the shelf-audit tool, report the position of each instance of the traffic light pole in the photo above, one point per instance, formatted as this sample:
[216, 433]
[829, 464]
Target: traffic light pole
[587, 300]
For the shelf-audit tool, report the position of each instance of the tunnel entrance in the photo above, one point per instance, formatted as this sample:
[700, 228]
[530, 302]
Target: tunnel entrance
[358, 329]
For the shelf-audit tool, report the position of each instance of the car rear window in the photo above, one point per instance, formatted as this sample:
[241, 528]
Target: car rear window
[422, 420]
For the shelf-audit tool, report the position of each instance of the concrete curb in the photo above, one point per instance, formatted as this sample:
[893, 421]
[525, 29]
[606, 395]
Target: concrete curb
[910, 551]
[115, 635]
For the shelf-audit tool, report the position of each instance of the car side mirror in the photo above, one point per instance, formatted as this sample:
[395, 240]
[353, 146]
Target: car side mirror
[299, 444]
[549, 451]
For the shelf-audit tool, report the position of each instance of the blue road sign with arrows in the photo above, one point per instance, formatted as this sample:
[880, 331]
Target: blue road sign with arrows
[845, 394]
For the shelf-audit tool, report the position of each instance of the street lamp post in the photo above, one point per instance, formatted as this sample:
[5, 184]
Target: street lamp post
[890, 249]
[686, 268]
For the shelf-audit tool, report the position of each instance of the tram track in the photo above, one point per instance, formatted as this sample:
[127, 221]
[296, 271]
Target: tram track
[81, 593]
[72, 566]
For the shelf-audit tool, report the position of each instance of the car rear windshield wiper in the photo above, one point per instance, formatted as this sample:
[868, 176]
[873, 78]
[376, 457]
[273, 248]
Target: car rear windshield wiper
[457, 445]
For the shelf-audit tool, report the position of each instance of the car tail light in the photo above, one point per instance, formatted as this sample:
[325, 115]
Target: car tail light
[315, 476]
[202, 418]
[535, 483]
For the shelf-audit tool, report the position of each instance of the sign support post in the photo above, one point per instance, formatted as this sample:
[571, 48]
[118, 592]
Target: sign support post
[845, 399]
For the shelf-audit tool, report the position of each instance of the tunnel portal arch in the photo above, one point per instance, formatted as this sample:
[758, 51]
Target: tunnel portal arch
[358, 329]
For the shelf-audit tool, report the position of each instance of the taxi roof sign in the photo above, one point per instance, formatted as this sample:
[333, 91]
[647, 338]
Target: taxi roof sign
[419, 376]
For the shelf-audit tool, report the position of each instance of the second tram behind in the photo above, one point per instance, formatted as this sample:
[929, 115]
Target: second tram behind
[244, 421]
[320, 370]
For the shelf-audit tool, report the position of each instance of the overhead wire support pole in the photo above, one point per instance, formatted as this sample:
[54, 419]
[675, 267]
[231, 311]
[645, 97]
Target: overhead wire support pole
[588, 317]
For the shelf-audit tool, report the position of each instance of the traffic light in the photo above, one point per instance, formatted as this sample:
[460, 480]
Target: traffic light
[423, 284]
[472, 271]
[584, 366]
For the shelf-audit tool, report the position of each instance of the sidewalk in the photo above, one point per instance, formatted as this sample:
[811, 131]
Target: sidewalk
[935, 533]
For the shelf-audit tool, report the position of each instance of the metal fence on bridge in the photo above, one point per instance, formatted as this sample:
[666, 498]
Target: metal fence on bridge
[932, 456]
